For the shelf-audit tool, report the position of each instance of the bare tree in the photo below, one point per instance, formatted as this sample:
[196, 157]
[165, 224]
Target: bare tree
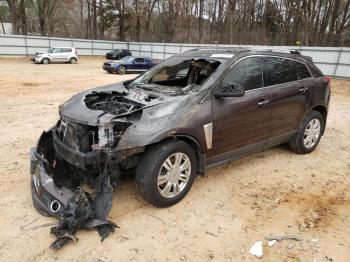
[44, 9]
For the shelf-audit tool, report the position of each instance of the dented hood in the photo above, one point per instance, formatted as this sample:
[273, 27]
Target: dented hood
[76, 109]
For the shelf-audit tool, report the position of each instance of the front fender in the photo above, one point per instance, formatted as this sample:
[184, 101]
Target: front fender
[160, 124]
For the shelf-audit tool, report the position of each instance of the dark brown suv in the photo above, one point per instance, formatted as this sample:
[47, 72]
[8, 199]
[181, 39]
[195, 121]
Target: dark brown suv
[194, 110]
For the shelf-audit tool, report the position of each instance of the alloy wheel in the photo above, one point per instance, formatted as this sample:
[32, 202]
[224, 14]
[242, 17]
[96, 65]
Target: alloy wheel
[174, 175]
[312, 133]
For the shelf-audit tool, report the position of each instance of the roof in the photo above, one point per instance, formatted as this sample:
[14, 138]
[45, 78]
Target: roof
[230, 52]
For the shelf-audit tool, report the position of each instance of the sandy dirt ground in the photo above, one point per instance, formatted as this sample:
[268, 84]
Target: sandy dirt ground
[274, 192]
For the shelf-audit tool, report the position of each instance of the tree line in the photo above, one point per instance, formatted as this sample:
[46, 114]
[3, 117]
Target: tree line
[272, 22]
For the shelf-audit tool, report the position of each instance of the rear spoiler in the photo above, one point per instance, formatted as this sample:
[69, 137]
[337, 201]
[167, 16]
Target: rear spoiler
[297, 52]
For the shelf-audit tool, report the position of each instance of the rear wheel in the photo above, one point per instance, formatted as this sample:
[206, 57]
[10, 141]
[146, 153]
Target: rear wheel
[166, 173]
[73, 60]
[309, 135]
[121, 70]
[45, 61]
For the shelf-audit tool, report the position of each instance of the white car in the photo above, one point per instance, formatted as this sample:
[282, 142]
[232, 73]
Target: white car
[56, 55]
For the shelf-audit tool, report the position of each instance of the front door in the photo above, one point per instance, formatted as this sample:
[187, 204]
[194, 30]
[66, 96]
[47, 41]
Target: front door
[241, 124]
[55, 54]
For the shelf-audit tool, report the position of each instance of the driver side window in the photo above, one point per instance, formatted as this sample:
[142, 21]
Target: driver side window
[246, 73]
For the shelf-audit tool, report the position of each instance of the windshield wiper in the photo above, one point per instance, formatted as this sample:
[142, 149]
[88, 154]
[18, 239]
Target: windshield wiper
[147, 87]
[170, 90]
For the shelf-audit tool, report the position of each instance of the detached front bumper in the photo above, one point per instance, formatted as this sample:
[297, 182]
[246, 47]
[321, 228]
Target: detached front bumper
[36, 59]
[47, 198]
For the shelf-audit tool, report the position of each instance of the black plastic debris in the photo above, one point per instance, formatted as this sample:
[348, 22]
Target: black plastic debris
[84, 211]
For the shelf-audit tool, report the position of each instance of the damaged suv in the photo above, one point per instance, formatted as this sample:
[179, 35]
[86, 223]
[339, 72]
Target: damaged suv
[192, 111]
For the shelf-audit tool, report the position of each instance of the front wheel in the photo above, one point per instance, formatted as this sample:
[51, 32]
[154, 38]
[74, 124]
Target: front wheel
[166, 173]
[309, 135]
[45, 61]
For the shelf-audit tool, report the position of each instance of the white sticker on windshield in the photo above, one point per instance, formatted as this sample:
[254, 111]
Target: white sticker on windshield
[222, 55]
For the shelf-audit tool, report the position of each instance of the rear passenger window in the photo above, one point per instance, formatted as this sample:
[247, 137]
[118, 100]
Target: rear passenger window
[66, 50]
[247, 73]
[301, 69]
[278, 71]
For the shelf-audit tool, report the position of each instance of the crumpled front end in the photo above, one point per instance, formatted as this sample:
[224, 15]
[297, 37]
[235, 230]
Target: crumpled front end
[68, 157]
[77, 163]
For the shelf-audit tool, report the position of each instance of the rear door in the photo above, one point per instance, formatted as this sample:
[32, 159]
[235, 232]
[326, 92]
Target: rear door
[65, 54]
[241, 124]
[290, 96]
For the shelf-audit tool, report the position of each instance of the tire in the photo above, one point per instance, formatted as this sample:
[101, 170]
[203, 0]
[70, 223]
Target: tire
[151, 168]
[45, 61]
[73, 60]
[121, 70]
[300, 142]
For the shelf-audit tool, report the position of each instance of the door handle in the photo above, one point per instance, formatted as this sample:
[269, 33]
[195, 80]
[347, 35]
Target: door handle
[263, 102]
[303, 89]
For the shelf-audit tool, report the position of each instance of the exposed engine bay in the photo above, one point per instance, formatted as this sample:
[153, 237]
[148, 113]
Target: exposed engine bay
[113, 103]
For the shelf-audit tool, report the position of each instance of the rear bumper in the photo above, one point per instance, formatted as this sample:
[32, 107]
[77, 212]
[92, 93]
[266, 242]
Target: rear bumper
[48, 199]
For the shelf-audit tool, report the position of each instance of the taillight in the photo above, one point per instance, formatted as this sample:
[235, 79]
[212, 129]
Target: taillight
[327, 78]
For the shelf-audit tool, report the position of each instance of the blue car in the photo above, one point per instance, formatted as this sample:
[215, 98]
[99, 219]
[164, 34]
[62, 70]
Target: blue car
[128, 64]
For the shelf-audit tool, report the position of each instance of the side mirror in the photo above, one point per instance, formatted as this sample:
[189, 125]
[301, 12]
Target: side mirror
[230, 89]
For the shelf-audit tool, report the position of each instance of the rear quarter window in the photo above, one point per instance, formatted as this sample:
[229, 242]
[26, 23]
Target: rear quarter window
[315, 71]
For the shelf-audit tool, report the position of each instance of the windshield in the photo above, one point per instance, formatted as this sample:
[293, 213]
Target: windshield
[125, 58]
[52, 50]
[176, 73]
[115, 51]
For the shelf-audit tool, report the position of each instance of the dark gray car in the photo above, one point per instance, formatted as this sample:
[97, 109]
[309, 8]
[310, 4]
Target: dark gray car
[194, 110]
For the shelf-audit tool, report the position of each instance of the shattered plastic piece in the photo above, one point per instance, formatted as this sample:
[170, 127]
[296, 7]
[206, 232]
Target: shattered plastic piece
[74, 215]
[271, 242]
[257, 249]
[102, 204]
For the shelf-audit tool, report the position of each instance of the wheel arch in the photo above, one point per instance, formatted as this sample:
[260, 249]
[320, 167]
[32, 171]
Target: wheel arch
[193, 142]
[48, 58]
[197, 149]
[323, 111]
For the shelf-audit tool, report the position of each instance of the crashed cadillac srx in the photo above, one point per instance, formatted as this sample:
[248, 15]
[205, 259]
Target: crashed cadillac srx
[193, 110]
